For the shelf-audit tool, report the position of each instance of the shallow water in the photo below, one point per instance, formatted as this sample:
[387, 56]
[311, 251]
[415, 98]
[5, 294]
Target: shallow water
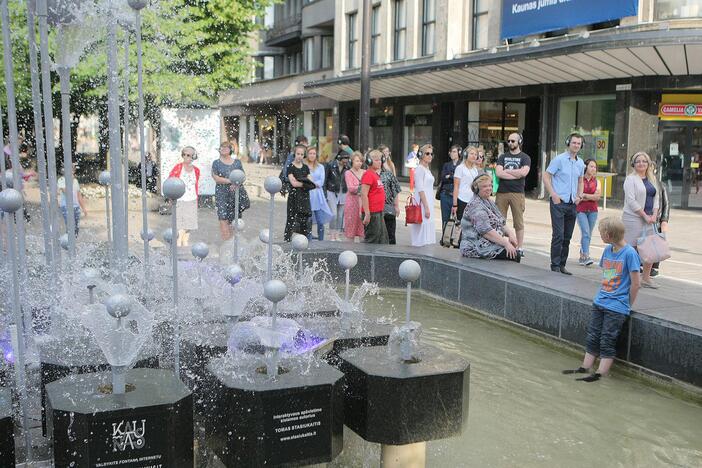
[524, 413]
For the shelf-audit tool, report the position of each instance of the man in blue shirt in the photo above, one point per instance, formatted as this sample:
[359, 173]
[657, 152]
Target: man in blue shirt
[564, 181]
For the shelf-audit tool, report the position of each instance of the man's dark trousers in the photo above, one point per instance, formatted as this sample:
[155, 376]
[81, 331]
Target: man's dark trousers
[563, 218]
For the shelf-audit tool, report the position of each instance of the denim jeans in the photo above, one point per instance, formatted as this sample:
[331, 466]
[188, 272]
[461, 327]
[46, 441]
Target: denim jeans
[603, 331]
[318, 215]
[76, 216]
[562, 225]
[446, 204]
[586, 221]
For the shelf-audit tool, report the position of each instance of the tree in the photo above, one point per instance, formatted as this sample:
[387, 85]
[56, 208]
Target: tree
[192, 50]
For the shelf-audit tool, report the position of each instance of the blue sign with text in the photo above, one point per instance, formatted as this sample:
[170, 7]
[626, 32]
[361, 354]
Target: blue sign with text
[525, 17]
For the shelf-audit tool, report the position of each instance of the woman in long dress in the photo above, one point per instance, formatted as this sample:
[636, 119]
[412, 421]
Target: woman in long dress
[425, 233]
[186, 206]
[353, 226]
[321, 213]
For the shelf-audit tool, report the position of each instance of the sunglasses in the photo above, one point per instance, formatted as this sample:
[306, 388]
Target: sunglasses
[480, 156]
[430, 154]
[512, 141]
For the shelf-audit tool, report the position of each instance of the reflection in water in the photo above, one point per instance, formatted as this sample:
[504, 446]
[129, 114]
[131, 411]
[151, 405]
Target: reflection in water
[524, 413]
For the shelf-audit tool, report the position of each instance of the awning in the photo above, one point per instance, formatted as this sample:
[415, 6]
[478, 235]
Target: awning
[614, 55]
[269, 91]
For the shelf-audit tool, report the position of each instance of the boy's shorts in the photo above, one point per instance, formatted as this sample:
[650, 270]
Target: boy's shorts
[603, 331]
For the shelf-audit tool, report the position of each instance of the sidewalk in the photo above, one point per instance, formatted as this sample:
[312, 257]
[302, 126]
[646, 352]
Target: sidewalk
[680, 277]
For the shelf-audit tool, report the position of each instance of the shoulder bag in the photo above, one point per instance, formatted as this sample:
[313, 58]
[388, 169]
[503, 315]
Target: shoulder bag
[652, 245]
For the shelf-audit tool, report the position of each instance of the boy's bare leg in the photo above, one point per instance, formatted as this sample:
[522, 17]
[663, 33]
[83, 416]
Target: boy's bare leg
[605, 365]
[589, 361]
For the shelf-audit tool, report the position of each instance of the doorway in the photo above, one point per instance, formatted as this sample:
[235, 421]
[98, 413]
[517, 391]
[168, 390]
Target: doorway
[681, 161]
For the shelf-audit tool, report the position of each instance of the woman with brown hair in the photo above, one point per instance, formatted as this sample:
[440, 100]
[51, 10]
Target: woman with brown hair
[463, 176]
[353, 227]
[225, 195]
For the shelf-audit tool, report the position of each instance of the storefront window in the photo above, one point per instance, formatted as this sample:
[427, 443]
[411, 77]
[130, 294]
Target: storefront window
[417, 129]
[380, 126]
[490, 122]
[592, 117]
[675, 9]
[322, 131]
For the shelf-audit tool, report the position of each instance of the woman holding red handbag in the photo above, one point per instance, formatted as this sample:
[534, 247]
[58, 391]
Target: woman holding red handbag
[424, 233]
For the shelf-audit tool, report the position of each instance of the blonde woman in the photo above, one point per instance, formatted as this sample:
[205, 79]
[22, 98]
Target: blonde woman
[353, 227]
[641, 203]
[463, 177]
[425, 233]
[321, 214]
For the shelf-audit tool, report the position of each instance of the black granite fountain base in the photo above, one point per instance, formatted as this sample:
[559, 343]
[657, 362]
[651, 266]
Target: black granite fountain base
[150, 426]
[371, 335]
[290, 421]
[59, 359]
[7, 433]
[396, 403]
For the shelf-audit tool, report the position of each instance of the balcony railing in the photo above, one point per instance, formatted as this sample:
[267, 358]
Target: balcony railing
[290, 25]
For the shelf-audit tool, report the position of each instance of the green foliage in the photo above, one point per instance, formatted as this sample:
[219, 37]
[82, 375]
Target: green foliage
[192, 50]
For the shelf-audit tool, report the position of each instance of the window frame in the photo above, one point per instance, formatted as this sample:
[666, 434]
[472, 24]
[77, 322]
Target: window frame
[375, 34]
[352, 40]
[425, 27]
[474, 23]
[399, 30]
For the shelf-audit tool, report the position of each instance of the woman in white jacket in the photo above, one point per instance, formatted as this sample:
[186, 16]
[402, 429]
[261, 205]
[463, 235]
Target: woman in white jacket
[641, 195]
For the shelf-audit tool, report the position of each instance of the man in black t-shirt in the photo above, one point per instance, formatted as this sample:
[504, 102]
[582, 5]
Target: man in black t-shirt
[512, 169]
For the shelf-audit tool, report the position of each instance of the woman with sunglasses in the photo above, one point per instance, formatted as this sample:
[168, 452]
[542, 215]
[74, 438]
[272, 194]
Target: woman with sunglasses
[186, 206]
[425, 233]
[463, 176]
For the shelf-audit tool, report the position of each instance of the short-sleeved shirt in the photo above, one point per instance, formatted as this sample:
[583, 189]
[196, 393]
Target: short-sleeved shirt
[616, 280]
[513, 161]
[466, 177]
[565, 173]
[650, 196]
[376, 194]
[223, 170]
[61, 185]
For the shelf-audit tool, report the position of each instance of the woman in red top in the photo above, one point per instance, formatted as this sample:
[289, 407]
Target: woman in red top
[186, 207]
[587, 210]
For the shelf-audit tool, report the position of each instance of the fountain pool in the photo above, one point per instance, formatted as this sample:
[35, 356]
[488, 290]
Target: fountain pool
[524, 413]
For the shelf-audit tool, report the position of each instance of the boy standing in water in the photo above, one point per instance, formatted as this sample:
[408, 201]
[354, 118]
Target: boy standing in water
[620, 284]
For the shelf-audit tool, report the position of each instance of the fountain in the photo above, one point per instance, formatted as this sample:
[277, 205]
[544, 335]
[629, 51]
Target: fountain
[407, 393]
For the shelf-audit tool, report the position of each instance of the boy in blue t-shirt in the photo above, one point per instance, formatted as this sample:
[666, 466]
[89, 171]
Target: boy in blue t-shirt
[620, 283]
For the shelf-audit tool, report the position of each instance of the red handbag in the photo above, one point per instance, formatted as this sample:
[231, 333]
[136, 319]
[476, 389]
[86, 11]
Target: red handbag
[413, 212]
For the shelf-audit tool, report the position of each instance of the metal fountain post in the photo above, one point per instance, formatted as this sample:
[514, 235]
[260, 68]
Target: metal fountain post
[118, 306]
[12, 127]
[49, 126]
[233, 274]
[105, 179]
[39, 143]
[272, 184]
[299, 244]
[11, 201]
[237, 178]
[173, 189]
[409, 271]
[347, 260]
[64, 73]
[125, 151]
[199, 251]
[118, 209]
[275, 291]
[137, 6]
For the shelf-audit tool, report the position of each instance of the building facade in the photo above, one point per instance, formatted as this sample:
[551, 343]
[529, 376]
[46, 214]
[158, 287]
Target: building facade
[295, 45]
[627, 74]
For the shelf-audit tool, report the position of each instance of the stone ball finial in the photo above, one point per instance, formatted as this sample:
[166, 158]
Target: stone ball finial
[11, 200]
[299, 242]
[272, 184]
[239, 225]
[348, 259]
[137, 4]
[275, 290]
[200, 250]
[263, 235]
[118, 305]
[148, 236]
[233, 274]
[167, 235]
[237, 177]
[63, 240]
[90, 276]
[105, 178]
[410, 270]
[173, 188]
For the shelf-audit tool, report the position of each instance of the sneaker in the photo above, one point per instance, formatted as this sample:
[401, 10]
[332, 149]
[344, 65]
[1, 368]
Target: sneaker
[582, 261]
[588, 261]
[649, 285]
[521, 252]
[654, 272]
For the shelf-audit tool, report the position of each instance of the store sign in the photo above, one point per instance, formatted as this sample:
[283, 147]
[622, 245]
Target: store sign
[600, 141]
[525, 17]
[681, 107]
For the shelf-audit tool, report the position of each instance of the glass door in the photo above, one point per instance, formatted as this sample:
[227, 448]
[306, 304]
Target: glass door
[695, 168]
[673, 162]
